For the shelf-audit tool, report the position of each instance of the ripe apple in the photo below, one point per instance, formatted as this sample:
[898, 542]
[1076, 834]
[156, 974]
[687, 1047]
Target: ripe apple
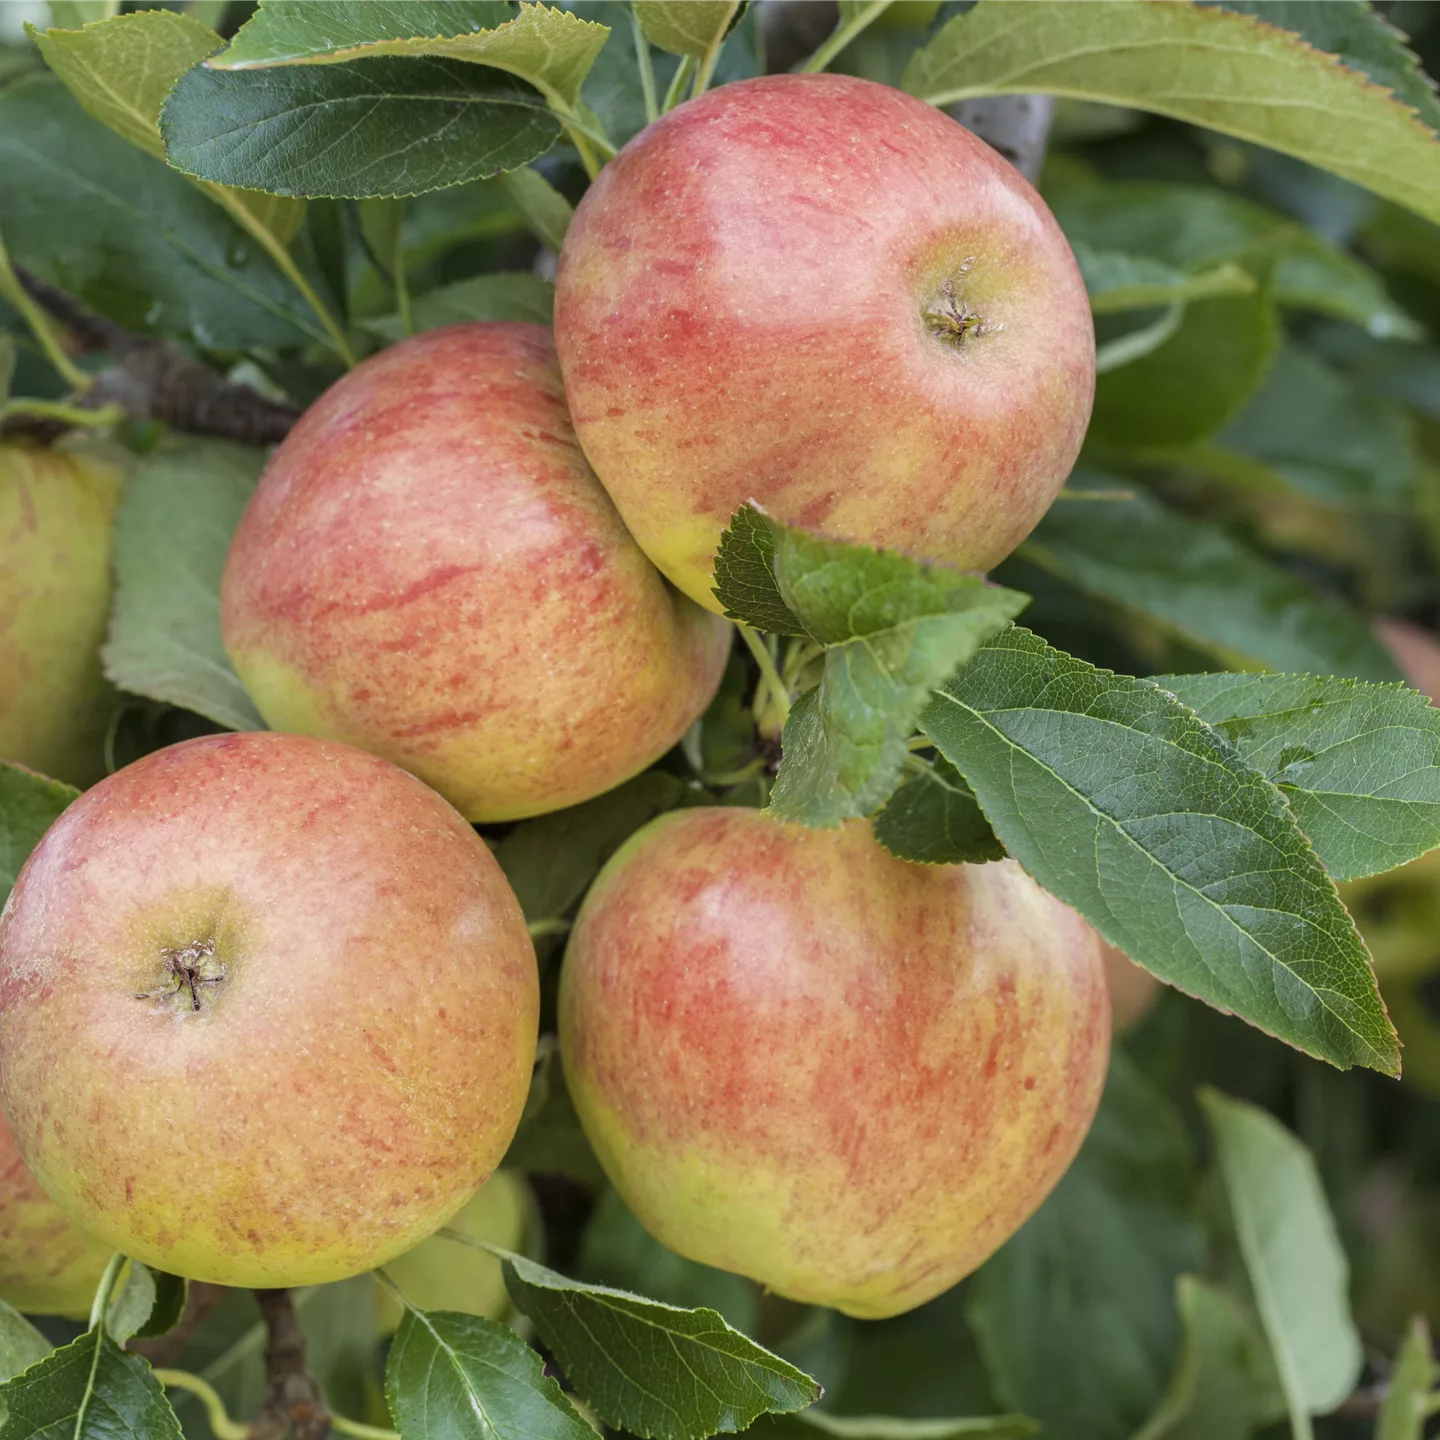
[268, 1011]
[1133, 989]
[430, 571]
[818, 293]
[47, 1265]
[57, 511]
[440, 1274]
[845, 1076]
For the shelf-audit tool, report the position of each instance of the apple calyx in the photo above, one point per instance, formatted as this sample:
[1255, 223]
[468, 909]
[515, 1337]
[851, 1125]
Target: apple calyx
[186, 969]
[950, 318]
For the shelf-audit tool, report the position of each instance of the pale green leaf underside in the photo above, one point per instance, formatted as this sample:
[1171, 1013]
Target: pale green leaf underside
[1409, 1383]
[21, 1344]
[29, 805]
[1119, 281]
[552, 49]
[172, 533]
[1211, 67]
[1359, 764]
[1124, 804]
[1293, 1256]
[654, 1370]
[684, 27]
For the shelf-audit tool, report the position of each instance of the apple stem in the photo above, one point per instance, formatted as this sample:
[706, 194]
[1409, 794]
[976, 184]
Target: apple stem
[779, 695]
[221, 1424]
[842, 35]
[683, 72]
[646, 67]
[293, 1401]
[106, 1289]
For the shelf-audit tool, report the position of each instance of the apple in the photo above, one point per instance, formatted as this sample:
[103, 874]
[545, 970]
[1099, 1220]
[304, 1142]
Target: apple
[1133, 989]
[430, 571]
[440, 1274]
[57, 513]
[47, 1265]
[846, 1076]
[268, 1011]
[821, 294]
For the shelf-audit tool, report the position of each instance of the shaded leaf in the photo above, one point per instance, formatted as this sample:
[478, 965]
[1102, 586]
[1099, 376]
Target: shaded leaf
[172, 534]
[1215, 68]
[89, 1389]
[934, 819]
[544, 209]
[501, 295]
[1075, 1313]
[818, 1424]
[171, 1292]
[1115, 280]
[29, 805]
[1292, 1253]
[552, 49]
[1210, 1395]
[1201, 585]
[1408, 1394]
[21, 1344]
[1359, 764]
[119, 230]
[372, 127]
[461, 1377]
[654, 1370]
[1126, 805]
[550, 1140]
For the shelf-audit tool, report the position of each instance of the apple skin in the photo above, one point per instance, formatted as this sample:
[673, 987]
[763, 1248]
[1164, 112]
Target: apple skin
[430, 571]
[367, 1018]
[57, 512]
[845, 1076]
[441, 1274]
[740, 315]
[47, 1265]
[1133, 989]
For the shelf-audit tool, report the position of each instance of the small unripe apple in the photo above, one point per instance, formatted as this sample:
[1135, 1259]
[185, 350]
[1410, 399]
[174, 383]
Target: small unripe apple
[845, 1076]
[430, 571]
[268, 1011]
[441, 1274]
[47, 1265]
[821, 294]
[57, 512]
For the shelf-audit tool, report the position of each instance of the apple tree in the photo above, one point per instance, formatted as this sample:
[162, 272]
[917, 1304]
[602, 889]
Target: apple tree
[1180, 728]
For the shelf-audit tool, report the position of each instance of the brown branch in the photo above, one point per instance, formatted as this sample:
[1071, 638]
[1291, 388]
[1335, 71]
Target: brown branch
[293, 1403]
[163, 1351]
[1018, 126]
[154, 380]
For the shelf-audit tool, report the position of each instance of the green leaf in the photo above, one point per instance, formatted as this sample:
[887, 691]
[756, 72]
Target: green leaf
[1292, 1255]
[131, 1306]
[7, 365]
[745, 582]
[685, 27]
[818, 1425]
[1210, 67]
[654, 1370]
[619, 1252]
[1122, 802]
[1119, 281]
[1192, 383]
[891, 629]
[1412, 1377]
[934, 819]
[172, 532]
[552, 49]
[1313, 430]
[171, 1293]
[89, 1389]
[21, 1344]
[544, 209]
[1200, 584]
[501, 295]
[551, 859]
[372, 127]
[29, 805]
[1359, 764]
[119, 230]
[1075, 1313]
[461, 1377]
[1211, 1392]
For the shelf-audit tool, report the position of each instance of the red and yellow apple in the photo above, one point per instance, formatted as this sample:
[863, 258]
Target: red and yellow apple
[818, 293]
[57, 513]
[268, 1011]
[845, 1076]
[430, 571]
[47, 1265]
